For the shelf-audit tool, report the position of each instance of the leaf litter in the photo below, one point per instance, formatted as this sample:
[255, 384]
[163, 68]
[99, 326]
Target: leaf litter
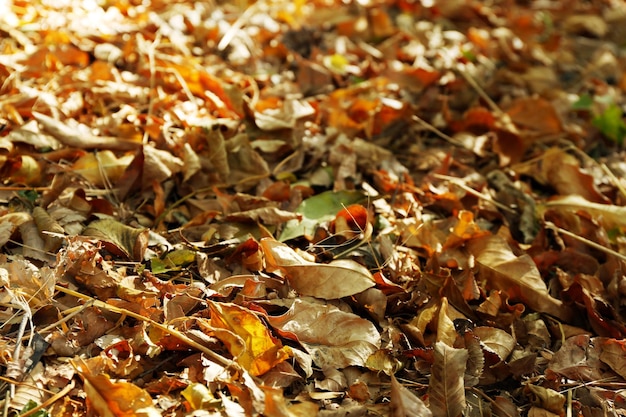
[312, 208]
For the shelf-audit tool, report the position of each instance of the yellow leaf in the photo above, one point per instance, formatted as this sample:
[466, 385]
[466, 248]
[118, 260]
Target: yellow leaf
[101, 168]
[248, 339]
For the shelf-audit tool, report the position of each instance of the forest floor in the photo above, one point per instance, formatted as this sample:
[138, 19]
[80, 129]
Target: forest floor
[299, 208]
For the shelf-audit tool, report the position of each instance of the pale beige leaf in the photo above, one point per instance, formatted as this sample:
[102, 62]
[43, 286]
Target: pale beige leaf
[80, 136]
[446, 389]
[608, 215]
[337, 279]
[445, 326]
[33, 242]
[266, 215]
[406, 404]
[192, 163]
[159, 165]
[9, 222]
[332, 337]
[49, 229]
[496, 340]
[518, 276]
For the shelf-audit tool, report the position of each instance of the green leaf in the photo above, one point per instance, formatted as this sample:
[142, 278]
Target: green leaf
[173, 261]
[584, 103]
[317, 209]
[611, 124]
[29, 406]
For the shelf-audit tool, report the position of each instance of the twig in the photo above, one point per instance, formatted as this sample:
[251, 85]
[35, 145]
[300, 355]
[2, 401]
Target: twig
[587, 241]
[459, 183]
[437, 131]
[236, 27]
[215, 357]
[472, 82]
[50, 400]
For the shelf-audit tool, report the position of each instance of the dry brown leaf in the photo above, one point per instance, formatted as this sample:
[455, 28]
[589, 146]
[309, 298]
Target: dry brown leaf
[577, 359]
[517, 275]
[496, 340]
[613, 353]
[333, 338]
[129, 241]
[340, 278]
[562, 171]
[404, 403]
[608, 215]
[446, 391]
[80, 136]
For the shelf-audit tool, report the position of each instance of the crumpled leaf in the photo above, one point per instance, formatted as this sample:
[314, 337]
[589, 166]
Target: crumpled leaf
[333, 338]
[446, 390]
[614, 354]
[546, 398]
[337, 279]
[577, 359]
[199, 397]
[159, 165]
[563, 172]
[249, 340]
[49, 229]
[10, 222]
[517, 275]
[129, 241]
[406, 404]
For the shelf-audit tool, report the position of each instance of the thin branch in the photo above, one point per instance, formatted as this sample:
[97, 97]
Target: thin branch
[587, 241]
[215, 357]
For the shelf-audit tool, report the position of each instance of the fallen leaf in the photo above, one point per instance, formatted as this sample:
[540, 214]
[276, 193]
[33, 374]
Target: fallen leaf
[337, 279]
[130, 241]
[80, 136]
[404, 403]
[116, 399]
[317, 209]
[254, 348]
[333, 338]
[517, 275]
[446, 392]
[608, 215]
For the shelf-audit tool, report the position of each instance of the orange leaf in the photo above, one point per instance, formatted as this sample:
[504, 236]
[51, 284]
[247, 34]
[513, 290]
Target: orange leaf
[116, 399]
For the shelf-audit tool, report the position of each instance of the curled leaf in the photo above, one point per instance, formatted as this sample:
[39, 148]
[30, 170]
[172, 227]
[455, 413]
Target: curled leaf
[129, 241]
